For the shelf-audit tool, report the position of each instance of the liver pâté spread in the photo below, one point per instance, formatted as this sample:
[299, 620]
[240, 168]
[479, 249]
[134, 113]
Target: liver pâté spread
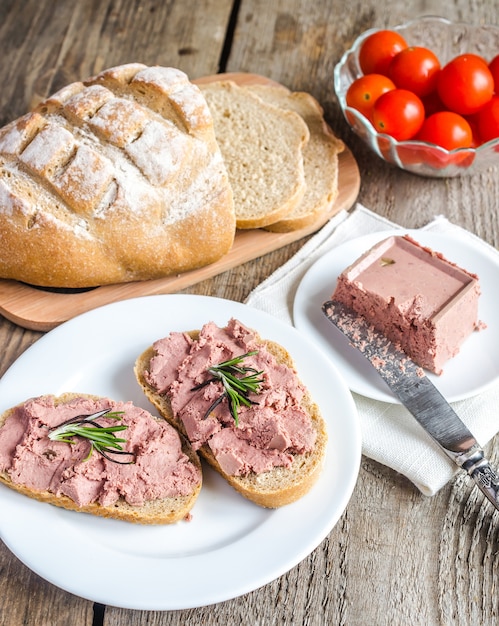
[269, 432]
[30, 458]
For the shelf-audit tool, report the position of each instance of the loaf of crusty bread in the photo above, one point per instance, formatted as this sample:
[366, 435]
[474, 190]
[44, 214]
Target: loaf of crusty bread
[262, 147]
[271, 489]
[320, 156]
[114, 179]
[155, 511]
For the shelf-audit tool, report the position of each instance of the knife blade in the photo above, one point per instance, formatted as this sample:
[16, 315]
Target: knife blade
[419, 395]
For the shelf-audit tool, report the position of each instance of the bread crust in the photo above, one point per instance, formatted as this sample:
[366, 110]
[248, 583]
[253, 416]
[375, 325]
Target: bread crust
[272, 489]
[164, 511]
[114, 179]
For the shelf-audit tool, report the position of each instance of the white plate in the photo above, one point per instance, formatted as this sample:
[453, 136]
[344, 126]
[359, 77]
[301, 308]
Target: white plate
[230, 546]
[474, 369]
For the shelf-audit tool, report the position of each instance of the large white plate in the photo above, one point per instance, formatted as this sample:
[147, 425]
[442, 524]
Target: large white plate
[230, 546]
[474, 369]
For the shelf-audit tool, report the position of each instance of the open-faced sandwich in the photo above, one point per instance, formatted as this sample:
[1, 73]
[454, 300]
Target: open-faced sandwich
[94, 455]
[239, 401]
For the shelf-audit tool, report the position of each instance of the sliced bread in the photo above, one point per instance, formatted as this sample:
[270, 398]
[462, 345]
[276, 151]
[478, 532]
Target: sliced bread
[320, 156]
[261, 145]
[277, 486]
[37, 466]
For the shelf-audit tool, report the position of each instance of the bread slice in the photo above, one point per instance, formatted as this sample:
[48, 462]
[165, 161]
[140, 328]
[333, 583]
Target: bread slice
[271, 489]
[320, 156]
[159, 511]
[262, 148]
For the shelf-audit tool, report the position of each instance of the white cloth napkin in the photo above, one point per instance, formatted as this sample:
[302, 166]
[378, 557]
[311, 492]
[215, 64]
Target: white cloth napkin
[390, 434]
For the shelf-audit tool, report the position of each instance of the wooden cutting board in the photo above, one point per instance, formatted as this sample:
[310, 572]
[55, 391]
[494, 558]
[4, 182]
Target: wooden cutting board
[43, 309]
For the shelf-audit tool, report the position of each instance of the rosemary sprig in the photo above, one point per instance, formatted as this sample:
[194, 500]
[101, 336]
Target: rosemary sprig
[102, 438]
[238, 382]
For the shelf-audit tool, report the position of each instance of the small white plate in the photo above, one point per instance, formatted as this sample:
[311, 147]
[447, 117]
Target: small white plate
[231, 546]
[475, 368]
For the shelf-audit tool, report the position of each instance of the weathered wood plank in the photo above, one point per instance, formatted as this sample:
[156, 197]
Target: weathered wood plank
[46, 45]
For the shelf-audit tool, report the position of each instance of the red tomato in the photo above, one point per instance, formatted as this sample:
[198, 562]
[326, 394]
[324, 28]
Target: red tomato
[377, 51]
[494, 70]
[364, 91]
[446, 129]
[416, 69]
[465, 84]
[488, 120]
[399, 113]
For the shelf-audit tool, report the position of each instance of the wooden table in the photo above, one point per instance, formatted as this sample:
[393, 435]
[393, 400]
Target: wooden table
[395, 556]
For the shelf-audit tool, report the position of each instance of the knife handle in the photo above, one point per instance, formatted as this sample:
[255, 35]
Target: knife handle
[478, 467]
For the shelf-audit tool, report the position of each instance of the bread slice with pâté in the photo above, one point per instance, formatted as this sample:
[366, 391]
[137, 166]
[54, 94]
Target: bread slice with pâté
[155, 480]
[276, 486]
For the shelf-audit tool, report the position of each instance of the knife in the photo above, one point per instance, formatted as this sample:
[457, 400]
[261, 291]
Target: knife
[418, 394]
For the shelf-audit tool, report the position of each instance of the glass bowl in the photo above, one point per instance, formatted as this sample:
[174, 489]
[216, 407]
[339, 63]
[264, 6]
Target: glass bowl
[447, 40]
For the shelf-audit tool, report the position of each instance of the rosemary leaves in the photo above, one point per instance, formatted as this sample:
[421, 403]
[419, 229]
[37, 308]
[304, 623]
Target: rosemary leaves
[102, 438]
[238, 381]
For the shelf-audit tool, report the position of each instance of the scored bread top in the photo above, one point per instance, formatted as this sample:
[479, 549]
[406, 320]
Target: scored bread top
[113, 179]
[262, 148]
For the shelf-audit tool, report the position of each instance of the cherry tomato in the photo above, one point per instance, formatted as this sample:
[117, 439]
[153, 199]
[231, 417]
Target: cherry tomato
[364, 91]
[446, 129]
[465, 84]
[416, 69]
[488, 120]
[399, 113]
[378, 50]
[494, 70]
